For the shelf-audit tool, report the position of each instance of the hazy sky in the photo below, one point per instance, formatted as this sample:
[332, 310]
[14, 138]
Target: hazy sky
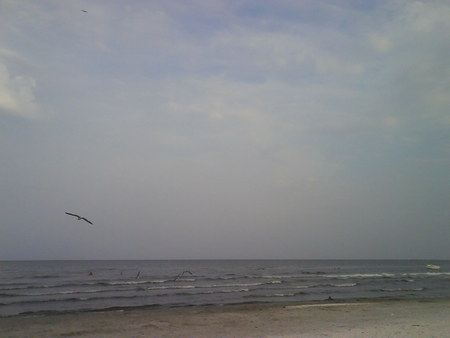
[225, 129]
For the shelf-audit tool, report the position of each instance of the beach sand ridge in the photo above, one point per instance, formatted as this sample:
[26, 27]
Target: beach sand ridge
[365, 318]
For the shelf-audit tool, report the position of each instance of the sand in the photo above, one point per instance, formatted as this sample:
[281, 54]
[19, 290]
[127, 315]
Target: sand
[363, 318]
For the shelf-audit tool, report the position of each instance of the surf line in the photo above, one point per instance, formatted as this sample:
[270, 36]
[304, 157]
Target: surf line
[322, 305]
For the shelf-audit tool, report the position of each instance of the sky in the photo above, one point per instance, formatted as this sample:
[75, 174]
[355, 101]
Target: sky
[253, 129]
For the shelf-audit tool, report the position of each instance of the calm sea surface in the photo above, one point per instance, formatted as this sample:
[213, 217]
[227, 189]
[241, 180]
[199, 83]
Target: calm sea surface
[46, 287]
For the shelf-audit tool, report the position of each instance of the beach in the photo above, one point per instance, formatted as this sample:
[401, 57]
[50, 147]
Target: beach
[354, 318]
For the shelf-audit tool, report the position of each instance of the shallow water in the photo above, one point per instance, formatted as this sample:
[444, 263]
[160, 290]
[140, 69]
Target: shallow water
[43, 287]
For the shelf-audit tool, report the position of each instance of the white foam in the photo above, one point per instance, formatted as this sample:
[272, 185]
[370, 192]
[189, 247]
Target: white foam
[322, 305]
[402, 290]
[344, 285]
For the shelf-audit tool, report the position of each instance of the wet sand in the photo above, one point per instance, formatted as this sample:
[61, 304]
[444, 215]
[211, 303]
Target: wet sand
[357, 318]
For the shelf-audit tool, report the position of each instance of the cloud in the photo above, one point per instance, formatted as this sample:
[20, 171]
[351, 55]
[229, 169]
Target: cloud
[282, 55]
[414, 64]
[380, 43]
[17, 91]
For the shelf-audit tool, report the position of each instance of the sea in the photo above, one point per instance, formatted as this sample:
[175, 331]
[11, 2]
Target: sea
[33, 288]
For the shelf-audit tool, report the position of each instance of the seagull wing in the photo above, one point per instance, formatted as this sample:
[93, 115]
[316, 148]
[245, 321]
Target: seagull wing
[68, 213]
[85, 219]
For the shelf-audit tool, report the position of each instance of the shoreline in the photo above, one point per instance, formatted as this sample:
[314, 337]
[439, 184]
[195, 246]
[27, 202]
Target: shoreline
[166, 308]
[339, 318]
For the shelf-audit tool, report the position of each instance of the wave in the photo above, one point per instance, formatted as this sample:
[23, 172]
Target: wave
[273, 279]
[86, 283]
[272, 276]
[68, 300]
[162, 287]
[2, 285]
[343, 285]
[135, 296]
[388, 275]
[229, 276]
[428, 274]
[398, 290]
[169, 287]
[34, 294]
[228, 285]
[211, 292]
[45, 276]
[290, 294]
[362, 275]
[275, 282]
[206, 286]
[322, 275]
[133, 282]
[102, 309]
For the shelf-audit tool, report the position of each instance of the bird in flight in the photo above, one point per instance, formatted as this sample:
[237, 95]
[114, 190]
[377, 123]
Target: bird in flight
[84, 11]
[181, 275]
[80, 217]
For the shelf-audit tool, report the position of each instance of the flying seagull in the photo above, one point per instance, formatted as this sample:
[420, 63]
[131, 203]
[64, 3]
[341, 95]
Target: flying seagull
[181, 275]
[80, 217]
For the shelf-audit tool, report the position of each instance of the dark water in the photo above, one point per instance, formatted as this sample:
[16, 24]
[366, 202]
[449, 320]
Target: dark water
[44, 287]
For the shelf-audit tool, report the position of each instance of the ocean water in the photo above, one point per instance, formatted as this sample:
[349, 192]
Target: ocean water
[47, 287]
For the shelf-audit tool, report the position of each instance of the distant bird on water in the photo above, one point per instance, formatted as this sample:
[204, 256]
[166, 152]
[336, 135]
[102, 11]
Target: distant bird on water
[80, 217]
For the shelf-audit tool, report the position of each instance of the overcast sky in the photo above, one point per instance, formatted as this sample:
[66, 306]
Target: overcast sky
[225, 129]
